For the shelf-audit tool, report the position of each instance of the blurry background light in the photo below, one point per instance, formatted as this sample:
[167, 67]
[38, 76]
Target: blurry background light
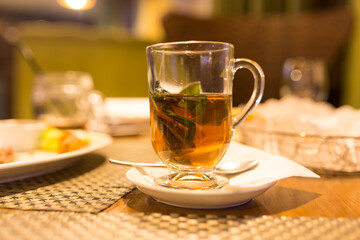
[77, 4]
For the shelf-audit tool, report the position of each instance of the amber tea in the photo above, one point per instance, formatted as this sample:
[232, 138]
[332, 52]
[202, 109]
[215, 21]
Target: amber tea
[190, 131]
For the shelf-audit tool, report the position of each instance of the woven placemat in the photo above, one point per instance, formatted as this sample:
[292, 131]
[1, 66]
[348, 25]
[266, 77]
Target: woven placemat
[68, 225]
[91, 185]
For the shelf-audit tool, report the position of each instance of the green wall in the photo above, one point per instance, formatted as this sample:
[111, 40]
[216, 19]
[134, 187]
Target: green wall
[117, 64]
[351, 94]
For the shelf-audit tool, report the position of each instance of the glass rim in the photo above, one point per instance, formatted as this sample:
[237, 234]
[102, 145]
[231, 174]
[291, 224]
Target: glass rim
[159, 47]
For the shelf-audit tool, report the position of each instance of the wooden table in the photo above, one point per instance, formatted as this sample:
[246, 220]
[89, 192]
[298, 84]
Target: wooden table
[325, 208]
[326, 197]
[329, 196]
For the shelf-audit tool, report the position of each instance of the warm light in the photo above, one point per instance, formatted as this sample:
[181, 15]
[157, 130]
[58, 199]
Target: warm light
[77, 4]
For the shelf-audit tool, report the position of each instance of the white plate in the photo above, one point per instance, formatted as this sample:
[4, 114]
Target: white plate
[37, 162]
[201, 199]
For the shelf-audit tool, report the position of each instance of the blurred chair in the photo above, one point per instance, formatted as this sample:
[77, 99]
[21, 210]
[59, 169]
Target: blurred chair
[270, 40]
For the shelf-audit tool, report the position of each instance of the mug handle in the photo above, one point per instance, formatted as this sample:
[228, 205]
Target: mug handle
[259, 83]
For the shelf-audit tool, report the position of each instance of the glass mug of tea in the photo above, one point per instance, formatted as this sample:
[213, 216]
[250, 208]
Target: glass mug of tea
[190, 93]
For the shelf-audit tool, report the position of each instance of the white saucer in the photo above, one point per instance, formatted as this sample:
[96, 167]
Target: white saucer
[241, 188]
[201, 199]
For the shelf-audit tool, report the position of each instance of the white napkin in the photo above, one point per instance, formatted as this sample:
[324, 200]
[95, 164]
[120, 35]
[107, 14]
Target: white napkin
[270, 169]
[127, 108]
[127, 116]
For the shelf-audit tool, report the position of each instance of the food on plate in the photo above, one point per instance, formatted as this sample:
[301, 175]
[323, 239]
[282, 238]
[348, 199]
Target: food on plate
[61, 141]
[6, 155]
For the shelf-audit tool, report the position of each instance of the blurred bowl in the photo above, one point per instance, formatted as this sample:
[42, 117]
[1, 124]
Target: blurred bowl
[323, 154]
[21, 134]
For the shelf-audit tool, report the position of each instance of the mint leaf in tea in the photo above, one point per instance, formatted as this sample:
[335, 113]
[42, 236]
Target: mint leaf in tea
[192, 89]
[192, 130]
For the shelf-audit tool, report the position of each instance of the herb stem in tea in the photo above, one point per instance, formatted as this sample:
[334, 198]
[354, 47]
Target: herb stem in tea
[190, 125]
[174, 140]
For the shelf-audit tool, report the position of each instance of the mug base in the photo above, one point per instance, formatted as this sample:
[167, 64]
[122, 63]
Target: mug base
[192, 181]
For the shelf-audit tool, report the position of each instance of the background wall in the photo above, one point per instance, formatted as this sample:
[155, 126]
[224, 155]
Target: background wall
[111, 42]
[351, 93]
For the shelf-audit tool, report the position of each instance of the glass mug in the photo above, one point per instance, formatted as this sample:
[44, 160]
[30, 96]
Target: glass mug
[66, 99]
[190, 93]
[305, 77]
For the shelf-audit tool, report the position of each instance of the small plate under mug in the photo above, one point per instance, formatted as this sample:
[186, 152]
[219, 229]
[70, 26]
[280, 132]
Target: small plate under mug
[200, 199]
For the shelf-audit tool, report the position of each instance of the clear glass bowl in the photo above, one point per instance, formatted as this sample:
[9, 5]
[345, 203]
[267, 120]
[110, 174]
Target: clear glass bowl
[323, 154]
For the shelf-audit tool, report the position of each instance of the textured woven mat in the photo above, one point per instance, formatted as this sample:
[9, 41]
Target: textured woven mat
[91, 185]
[67, 225]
